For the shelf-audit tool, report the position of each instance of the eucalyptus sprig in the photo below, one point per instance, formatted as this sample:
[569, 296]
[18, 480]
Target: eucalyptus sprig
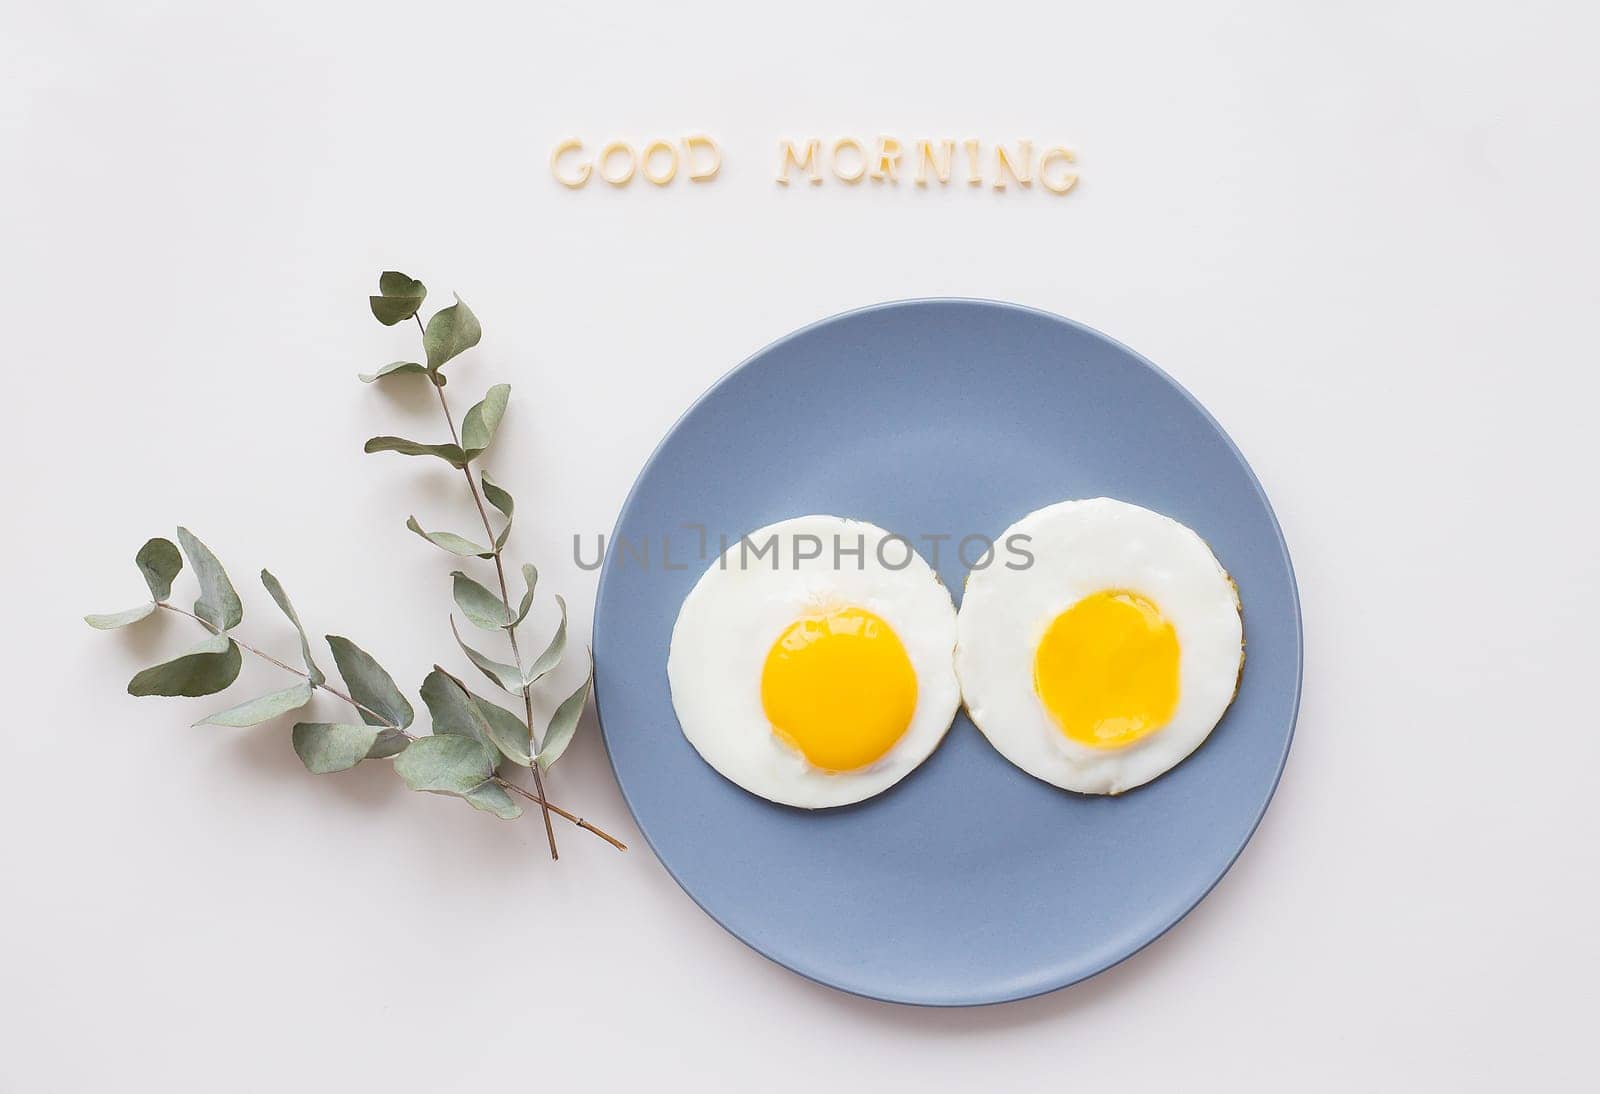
[475, 743]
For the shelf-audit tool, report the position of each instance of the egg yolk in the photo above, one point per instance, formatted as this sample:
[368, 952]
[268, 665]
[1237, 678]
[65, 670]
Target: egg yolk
[1107, 669]
[839, 688]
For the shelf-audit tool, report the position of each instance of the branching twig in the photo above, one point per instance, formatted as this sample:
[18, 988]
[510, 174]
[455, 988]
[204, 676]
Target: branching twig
[468, 747]
[505, 600]
[579, 821]
[325, 686]
[548, 807]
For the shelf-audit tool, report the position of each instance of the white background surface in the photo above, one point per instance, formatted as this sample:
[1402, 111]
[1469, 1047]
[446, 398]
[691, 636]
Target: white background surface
[1362, 235]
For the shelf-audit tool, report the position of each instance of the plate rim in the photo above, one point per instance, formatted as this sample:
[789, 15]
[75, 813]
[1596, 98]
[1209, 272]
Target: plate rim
[1000, 998]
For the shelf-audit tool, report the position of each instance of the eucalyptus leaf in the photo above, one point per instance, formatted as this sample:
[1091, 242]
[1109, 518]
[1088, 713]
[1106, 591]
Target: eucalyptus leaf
[456, 710]
[391, 369]
[112, 620]
[400, 298]
[159, 561]
[205, 669]
[451, 331]
[449, 453]
[507, 732]
[332, 746]
[551, 657]
[479, 425]
[497, 495]
[502, 674]
[263, 709]
[275, 589]
[218, 604]
[492, 798]
[394, 283]
[530, 575]
[370, 685]
[564, 722]
[501, 499]
[483, 608]
[446, 701]
[449, 541]
[446, 764]
[390, 742]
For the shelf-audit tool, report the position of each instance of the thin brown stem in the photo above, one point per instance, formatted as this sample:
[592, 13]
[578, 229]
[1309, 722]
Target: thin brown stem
[286, 668]
[511, 629]
[579, 821]
[387, 724]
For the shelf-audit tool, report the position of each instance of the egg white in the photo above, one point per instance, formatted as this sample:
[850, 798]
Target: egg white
[1080, 548]
[740, 606]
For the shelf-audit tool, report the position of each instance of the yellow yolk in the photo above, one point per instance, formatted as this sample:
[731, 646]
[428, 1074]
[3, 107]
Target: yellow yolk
[1107, 669]
[839, 688]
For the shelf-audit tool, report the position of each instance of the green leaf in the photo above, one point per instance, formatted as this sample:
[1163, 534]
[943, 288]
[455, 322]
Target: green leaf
[501, 500]
[551, 657]
[332, 746]
[492, 798]
[530, 575]
[159, 561]
[369, 684]
[449, 453]
[446, 701]
[390, 742]
[218, 604]
[564, 722]
[400, 299]
[506, 676]
[207, 668]
[451, 331]
[392, 368]
[479, 426]
[508, 733]
[449, 541]
[478, 604]
[263, 709]
[281, 598]
[112, 620]
[446, 764]
[394, 283]
[497, 495]
[456, 710]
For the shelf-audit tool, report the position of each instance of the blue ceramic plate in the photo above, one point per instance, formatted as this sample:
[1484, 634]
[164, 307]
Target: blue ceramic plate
[969, 882]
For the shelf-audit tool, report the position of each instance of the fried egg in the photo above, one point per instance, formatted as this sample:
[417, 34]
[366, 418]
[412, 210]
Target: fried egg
[813, 662]
[1111, 656]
